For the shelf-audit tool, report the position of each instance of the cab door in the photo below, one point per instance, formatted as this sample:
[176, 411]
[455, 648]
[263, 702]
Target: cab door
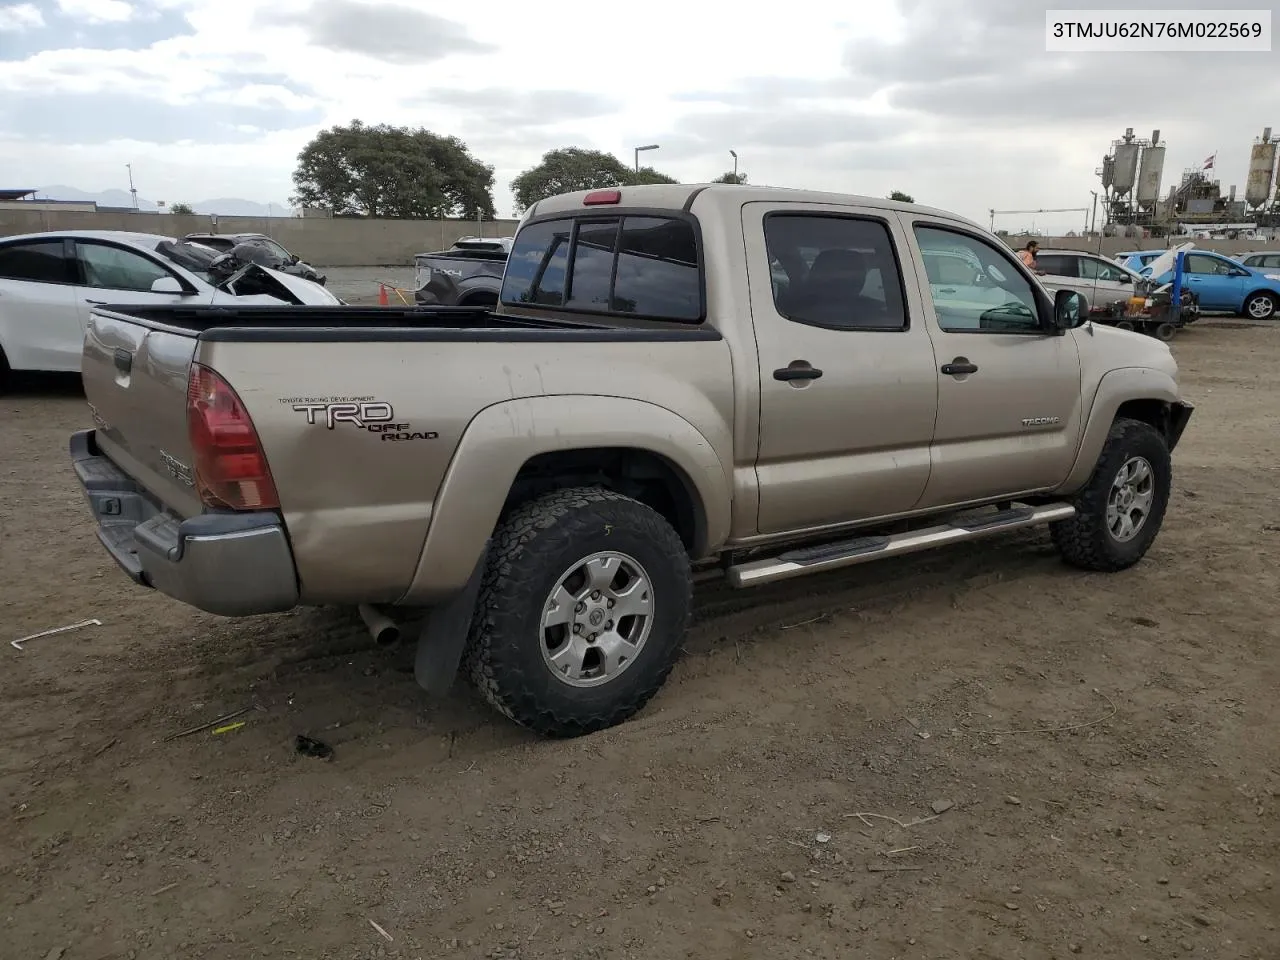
[1217, 282]
[39, 324]
[848, 386]
[1009, 409]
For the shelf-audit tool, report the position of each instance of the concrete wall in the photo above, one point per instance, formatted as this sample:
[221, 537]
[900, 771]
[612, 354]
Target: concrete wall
[1113, 245]
[340, 242]
[337, 242]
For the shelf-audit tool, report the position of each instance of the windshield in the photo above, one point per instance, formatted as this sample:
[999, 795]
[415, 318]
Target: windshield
[193, 257]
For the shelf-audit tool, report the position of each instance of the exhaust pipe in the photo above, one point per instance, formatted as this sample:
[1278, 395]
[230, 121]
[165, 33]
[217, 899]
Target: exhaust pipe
[382, 628]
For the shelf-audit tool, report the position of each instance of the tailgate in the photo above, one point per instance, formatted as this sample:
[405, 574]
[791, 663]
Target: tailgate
[135, 378]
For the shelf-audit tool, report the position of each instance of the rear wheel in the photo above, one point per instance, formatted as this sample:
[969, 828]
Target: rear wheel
[1124, 324]
[1260, 306]
[581, 611]
[1119, 512]
[1164, 331]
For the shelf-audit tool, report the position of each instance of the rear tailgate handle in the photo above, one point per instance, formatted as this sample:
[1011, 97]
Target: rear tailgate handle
[124, 360]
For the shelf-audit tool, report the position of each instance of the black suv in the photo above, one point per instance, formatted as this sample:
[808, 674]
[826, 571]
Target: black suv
[277, 256]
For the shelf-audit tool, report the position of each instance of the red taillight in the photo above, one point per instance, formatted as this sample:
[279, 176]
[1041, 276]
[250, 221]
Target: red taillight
[600, 197]
[231, 469]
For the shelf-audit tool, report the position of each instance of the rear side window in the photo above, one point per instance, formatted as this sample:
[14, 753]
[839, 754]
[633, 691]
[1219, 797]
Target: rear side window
[840, 273]
[639, 266]
[1057, 264]
[41, 261]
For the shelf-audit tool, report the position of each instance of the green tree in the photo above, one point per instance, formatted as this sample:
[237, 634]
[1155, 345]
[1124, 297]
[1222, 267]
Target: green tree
[573, 168]
[566, 170]
[181, 210]
[648, 175]
[398, 172]
[903, 197]
[731, 177]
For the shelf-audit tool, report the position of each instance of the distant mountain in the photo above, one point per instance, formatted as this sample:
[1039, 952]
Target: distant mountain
[222, 207]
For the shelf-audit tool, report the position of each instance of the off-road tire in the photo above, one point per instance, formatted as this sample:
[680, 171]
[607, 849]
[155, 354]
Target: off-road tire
[531, 547]
[1164, 331]
[1246, 310]
[1085, 541]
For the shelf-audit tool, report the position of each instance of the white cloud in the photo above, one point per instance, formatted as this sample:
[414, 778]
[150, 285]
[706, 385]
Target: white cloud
[953, 101]
[18, 17]
[96, 11]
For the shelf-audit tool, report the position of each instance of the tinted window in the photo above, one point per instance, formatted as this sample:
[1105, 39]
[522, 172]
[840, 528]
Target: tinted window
[593, 265]
[999, 300]
[653, 272]
[536, 268]
[835, 272]
[658, 269]
[41, 261]
[1058, 264]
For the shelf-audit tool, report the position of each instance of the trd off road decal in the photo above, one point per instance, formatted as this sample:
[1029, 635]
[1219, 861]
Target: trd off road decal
[362, 413]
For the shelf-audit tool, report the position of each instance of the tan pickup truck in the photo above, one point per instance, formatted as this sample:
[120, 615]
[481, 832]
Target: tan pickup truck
[765, 383]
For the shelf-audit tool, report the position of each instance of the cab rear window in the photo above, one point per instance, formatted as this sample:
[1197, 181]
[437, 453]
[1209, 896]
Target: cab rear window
[634, 266]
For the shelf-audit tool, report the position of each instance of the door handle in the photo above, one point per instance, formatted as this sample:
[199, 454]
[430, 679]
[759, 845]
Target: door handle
[798, 370]
[123, 360]
[959, 366]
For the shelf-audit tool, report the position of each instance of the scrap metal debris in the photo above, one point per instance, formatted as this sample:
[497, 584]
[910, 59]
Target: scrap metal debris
[205, 726]
[17, 644]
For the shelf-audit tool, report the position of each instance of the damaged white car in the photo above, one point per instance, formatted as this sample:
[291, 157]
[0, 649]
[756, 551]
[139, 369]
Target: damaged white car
[50, 281]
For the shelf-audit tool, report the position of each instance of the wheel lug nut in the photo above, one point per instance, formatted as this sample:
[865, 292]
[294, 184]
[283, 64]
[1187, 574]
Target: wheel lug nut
[577, 628]
[609, 625]
[611, 602]
[595, 594]
[580, 607]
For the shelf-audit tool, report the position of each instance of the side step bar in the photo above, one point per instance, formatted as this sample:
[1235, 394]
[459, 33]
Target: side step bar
[834, 556]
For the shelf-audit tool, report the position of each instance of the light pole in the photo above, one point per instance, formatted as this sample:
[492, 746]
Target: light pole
[132, 190]
[734, 154]
[652, 146]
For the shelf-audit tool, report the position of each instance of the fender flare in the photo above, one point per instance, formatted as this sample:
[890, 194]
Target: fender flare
[1115, 388]
[503, 437]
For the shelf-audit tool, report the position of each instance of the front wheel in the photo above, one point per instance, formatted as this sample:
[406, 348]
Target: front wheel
[1119, 512]
[1164, 331]
[1260, 306]
[581, 611]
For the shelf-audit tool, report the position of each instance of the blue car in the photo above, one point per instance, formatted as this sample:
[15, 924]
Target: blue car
[1137, 259]
[1220, 283]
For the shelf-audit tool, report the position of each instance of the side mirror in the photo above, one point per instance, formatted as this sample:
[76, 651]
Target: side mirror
[1068, 310]
[168, 285]
[1125, 278]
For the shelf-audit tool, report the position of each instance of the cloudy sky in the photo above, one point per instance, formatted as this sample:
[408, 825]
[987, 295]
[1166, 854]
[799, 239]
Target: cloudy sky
[953, 101]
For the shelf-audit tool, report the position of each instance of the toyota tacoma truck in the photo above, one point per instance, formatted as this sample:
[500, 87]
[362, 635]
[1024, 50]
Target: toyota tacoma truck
[753, 382]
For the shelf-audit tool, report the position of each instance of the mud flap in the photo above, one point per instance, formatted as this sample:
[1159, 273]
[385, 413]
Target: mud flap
[444, 635]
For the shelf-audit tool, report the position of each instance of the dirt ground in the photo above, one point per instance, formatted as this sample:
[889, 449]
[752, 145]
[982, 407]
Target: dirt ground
[775, 800]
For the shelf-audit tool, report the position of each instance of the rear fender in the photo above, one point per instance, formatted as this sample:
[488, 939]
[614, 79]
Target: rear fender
[1116, 388]
[503, 437]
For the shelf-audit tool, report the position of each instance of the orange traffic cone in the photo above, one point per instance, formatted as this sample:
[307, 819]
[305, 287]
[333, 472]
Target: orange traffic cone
[382, 295]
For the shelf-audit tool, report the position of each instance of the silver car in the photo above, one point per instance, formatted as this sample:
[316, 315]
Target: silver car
[50, 281]
[1260, 259]
[1096, 278]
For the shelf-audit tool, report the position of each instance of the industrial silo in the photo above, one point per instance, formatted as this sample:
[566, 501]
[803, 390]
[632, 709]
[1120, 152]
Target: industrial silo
[1125, 174]
[1150, 172]
[1262, 165]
